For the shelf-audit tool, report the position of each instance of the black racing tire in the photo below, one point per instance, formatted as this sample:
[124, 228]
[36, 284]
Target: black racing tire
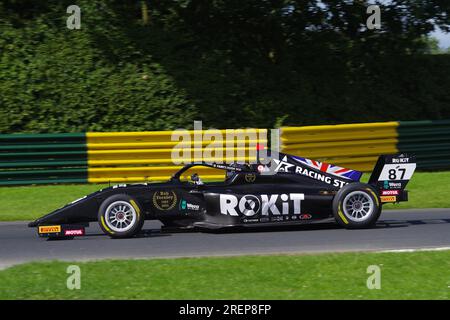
[357, 206]
[120, 216]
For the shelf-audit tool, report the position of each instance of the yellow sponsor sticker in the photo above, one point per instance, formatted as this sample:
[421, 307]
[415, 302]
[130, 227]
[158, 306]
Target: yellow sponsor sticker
[50, 229]
[388, 199]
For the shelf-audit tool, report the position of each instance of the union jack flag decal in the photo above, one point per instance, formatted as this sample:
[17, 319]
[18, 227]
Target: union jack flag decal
[331, 168]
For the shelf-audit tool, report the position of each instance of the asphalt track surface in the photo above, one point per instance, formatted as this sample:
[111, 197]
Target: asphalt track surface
[396, 229]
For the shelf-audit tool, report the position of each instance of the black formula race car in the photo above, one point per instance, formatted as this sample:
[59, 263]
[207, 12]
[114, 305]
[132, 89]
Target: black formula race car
[287, 190]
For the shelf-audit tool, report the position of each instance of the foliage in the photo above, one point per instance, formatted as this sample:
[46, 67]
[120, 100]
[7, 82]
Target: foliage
[54, 79]
[255, 63]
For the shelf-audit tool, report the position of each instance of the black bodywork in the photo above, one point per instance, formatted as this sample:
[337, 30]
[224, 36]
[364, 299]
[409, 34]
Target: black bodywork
[284, 191]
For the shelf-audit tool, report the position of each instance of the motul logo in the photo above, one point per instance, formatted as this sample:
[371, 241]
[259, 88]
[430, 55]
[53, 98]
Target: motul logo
[74, 232]
[390, 193]
[250, 205]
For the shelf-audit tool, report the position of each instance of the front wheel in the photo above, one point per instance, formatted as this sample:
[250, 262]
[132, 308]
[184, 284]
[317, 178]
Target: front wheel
[120, 216]
[356, 206]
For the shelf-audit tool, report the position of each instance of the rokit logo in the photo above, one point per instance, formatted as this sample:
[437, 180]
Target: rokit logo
[400, 160]
[250, 205]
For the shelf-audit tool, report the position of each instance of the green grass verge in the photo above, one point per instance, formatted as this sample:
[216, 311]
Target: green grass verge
[427, 190]
[419, 275]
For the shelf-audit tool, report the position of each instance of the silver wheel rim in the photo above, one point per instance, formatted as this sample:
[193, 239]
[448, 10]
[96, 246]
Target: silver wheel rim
[358, 206]
[120, 216]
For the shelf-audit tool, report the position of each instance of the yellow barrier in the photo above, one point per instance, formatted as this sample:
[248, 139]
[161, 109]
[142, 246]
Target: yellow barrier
[342, 132]
[164, 137]
[147, 156]
[356, 146]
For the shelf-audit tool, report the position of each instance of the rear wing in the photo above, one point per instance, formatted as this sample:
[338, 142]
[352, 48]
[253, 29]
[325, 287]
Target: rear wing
[391, 175]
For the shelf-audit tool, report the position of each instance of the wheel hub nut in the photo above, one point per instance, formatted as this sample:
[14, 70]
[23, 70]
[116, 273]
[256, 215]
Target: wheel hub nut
[357, 205]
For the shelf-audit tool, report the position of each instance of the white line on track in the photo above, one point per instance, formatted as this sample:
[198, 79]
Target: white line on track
[415, 250]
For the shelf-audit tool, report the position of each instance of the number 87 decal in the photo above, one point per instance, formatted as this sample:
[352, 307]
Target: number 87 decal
[393, 174]
[397, 171]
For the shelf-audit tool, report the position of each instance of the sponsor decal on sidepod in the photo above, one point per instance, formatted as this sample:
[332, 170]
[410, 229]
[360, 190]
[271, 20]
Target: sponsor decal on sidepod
[250, 205]
[189, 206]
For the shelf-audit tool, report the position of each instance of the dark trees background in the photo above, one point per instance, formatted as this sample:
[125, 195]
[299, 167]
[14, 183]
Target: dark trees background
[230, 63]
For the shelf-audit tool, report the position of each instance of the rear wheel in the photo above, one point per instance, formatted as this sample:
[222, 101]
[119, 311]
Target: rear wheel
[120, 216]
[356, 205]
